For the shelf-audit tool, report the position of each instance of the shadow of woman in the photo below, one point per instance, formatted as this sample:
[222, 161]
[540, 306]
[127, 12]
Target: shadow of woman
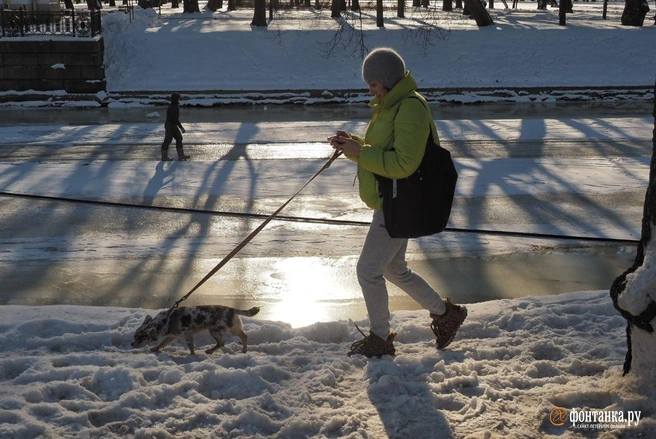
[157, 182]
[405, 402]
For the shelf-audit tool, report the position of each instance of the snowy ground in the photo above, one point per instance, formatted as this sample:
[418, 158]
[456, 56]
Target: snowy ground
[69, 371]
[524, 48]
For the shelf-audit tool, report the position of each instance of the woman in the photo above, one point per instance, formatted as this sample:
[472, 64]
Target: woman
[393, 147]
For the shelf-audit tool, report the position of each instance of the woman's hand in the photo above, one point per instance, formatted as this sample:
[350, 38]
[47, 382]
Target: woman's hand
[343, 142]
[349, 146]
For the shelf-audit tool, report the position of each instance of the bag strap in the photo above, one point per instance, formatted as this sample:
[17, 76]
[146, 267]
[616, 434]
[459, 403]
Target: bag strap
[433, 128]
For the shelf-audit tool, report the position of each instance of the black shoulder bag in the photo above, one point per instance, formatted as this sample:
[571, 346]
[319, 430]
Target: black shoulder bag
[420, 205]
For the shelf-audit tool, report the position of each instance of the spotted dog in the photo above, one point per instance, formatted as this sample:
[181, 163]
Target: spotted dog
[186, 321]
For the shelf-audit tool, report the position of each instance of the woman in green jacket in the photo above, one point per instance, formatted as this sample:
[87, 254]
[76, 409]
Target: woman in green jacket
[393, 146]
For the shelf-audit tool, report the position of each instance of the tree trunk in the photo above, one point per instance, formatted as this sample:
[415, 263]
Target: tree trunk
[634, 12]
[355, 5]
[231, 5]
[634, 291]
[379, 13]
[478, 12]
[447, 5]
[562, 13]
[400, 11]
[190, 6]
[259, 13]
[334, 9]
[214, 5]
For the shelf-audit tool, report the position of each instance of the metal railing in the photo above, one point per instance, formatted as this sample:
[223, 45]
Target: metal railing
[69, 23]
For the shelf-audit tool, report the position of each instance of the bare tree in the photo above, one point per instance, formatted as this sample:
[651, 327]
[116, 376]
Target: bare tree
[478, 12]
[428, 29]
[214, 5]
[634, 12]
[259, 13]
[190, 6]
[633, 292]
[562, 13]
[335, 7]
[379, 13]
[349, 38]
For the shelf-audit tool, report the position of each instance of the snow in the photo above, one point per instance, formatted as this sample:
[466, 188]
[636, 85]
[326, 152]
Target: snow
[292, 53]
[69, 371]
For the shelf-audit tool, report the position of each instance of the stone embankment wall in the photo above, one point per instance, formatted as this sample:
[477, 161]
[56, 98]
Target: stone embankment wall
[72, 65]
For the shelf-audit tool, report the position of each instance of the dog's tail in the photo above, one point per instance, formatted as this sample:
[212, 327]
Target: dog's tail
[248, 313]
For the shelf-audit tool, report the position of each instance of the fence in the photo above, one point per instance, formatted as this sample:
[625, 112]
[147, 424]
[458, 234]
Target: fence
[21, 23]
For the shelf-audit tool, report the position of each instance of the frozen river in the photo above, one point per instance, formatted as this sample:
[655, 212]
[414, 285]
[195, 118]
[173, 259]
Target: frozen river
[142, 233]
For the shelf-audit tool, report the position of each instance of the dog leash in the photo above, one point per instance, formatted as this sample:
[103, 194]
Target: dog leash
[246, 240]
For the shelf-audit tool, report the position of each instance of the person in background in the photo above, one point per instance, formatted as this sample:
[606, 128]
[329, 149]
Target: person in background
[174, 130]
[393, 147]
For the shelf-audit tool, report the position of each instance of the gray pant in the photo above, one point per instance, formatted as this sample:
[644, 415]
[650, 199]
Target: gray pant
[383, 258]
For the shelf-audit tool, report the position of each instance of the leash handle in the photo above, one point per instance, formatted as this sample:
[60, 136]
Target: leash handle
[252, 235]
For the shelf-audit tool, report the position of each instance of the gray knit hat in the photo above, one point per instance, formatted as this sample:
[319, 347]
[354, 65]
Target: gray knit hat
[383, 65]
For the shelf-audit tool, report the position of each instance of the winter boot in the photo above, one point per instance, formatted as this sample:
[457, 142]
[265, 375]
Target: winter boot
[181, 154]
[374, 346]
[445, 327]
[165, 155]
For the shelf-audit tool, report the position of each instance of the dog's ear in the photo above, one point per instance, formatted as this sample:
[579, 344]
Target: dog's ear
[148, 320]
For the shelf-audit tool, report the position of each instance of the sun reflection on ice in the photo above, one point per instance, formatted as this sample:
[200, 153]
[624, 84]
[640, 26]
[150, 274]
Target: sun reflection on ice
[307, 289]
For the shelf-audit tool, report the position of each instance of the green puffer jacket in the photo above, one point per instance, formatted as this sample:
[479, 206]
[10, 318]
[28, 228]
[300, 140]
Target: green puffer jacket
[394, 143]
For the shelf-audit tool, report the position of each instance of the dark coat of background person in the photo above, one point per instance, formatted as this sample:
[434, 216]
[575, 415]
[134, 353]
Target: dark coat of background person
[173, 130]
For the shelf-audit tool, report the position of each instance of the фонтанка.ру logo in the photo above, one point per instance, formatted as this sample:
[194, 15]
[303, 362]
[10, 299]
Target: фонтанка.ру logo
[594, 419]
